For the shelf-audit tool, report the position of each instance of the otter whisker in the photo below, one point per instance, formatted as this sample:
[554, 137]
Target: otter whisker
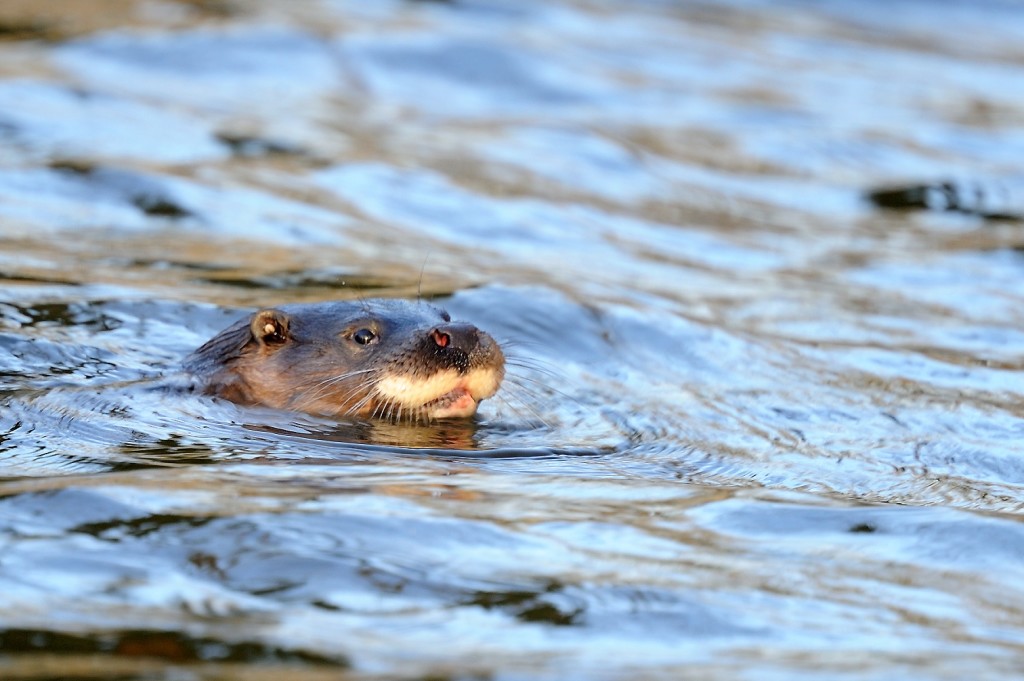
[542, 384]
[357, 407]
[533, 365]
[506, 342]
[388, 412]
[344, 376]
[535, 387]
[369, 375]
[321, 388]
[417, 416]
[525, 403]
[394, 410]
[524, 391]
[378, 411]
[366, 386]
[524, 410]
[516, 411]
[530, 361]
[370, 396]
[325, 386]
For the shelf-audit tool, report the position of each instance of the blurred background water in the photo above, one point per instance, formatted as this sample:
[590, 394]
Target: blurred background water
[756, 427]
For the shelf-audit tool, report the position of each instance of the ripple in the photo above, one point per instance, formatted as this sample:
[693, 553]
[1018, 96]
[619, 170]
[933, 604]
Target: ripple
[745, 410]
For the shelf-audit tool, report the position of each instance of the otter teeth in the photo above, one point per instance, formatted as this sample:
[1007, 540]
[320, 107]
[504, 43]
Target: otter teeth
[457, 403]
[448, 398]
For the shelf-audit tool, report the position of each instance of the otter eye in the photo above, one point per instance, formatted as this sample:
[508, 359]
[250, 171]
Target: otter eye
[364, 337]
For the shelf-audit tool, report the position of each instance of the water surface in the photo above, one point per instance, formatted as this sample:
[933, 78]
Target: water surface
[754, 427]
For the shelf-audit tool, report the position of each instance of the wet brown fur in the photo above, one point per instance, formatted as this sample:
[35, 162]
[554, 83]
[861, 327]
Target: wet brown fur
[306, 357]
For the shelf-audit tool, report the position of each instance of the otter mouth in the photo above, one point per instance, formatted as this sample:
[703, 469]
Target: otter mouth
[444, 395]
[457, 403]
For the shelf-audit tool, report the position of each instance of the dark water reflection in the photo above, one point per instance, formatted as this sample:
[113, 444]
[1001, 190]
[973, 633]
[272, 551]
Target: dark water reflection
[754, 425]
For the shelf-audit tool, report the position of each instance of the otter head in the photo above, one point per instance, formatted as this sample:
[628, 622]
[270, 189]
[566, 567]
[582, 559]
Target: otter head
[384, 358]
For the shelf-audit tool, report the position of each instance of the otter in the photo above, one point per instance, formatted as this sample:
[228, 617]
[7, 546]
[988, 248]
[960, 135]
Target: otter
[390, 359]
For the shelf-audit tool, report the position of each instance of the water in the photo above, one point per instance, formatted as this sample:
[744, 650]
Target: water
[755, 427]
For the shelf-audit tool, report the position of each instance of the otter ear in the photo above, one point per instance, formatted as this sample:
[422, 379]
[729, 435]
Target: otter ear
[269, 327]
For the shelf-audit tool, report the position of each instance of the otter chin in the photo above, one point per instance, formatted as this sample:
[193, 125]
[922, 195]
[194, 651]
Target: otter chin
[389, 359]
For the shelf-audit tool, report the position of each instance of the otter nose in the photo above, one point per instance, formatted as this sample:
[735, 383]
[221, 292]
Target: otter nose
[464, 337]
